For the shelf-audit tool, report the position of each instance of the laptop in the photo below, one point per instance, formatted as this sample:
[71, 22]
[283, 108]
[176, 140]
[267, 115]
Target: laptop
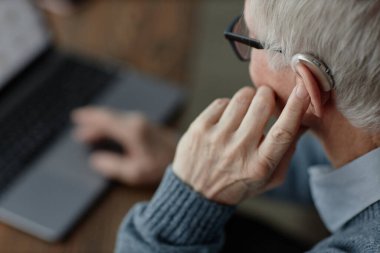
[46, 184]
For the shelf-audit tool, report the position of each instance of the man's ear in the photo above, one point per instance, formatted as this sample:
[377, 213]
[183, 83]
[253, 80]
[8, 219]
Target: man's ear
[317, 95]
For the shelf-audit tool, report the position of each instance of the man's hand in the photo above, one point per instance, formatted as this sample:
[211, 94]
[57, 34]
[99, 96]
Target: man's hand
[149, 148]
[226, 157]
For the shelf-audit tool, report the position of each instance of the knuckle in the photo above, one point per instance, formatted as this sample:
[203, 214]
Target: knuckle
[293, 109]
[265, 97]
[282, 136]
[261, 105]
[265, 90]
[267, 162]
[244, 95]
[220, 101]
[243, 101]
[197, 129]
[269, 97]
[214, 138]
[240, 142]
[215, 105]
[246, 91]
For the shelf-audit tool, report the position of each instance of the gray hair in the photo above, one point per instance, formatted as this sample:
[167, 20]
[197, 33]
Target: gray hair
[345, 34]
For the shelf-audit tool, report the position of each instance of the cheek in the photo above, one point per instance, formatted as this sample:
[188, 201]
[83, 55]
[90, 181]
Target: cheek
[258, 70]
[281, 81]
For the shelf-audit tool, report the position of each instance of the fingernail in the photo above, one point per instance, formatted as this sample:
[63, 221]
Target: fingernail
[301, 91]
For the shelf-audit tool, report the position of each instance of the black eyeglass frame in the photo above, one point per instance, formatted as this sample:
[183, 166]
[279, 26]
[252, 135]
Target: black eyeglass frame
[234, 37]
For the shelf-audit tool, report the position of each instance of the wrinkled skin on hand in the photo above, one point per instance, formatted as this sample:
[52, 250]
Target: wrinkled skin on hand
[225, 156]
[149, 147]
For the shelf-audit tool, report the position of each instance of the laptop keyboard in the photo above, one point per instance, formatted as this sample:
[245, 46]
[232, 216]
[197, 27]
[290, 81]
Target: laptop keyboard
[36, 119]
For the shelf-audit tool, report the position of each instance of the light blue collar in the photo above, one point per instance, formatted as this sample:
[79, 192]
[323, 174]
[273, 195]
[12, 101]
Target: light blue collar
[341, 194]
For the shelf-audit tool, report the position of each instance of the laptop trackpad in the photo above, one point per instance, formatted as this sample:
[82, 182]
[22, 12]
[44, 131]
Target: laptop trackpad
[72, 187]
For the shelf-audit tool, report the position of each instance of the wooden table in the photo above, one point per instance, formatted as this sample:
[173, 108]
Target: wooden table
[153, 36]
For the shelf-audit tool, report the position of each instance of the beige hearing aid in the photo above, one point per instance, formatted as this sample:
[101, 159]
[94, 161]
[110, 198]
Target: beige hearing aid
[317, 67]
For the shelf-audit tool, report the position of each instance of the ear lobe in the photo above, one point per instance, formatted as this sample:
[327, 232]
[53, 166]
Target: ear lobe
[317, 95]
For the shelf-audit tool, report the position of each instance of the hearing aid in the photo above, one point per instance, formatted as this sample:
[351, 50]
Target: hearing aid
[321, 72]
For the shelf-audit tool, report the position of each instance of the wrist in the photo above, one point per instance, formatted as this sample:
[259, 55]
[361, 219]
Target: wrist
[211, 190]
[177, 209]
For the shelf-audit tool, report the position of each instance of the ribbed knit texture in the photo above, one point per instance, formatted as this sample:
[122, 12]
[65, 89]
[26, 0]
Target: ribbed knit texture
[176, 220]
[182, 221]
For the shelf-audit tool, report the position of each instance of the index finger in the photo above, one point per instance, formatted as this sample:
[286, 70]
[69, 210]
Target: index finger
[285, 130]
[96, 123]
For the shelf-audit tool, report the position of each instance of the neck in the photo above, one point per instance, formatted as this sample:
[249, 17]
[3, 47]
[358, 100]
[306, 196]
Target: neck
[343, 142]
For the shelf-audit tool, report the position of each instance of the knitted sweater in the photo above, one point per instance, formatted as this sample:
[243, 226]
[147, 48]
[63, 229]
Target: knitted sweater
[178, 219]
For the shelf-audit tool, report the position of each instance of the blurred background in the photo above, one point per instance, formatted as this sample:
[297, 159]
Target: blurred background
[177, 40]
[180, 41]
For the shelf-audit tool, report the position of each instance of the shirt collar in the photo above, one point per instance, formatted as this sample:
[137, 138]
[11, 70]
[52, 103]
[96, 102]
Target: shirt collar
[341, 194]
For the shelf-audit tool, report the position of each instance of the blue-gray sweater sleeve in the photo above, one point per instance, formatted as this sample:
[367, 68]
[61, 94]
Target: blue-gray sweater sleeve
[177, 219]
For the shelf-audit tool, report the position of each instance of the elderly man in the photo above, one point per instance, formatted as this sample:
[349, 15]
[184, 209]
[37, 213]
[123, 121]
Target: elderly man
[225, 157]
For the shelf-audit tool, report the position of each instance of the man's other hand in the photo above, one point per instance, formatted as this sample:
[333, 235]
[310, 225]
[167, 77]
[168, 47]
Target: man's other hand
[148, 148]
